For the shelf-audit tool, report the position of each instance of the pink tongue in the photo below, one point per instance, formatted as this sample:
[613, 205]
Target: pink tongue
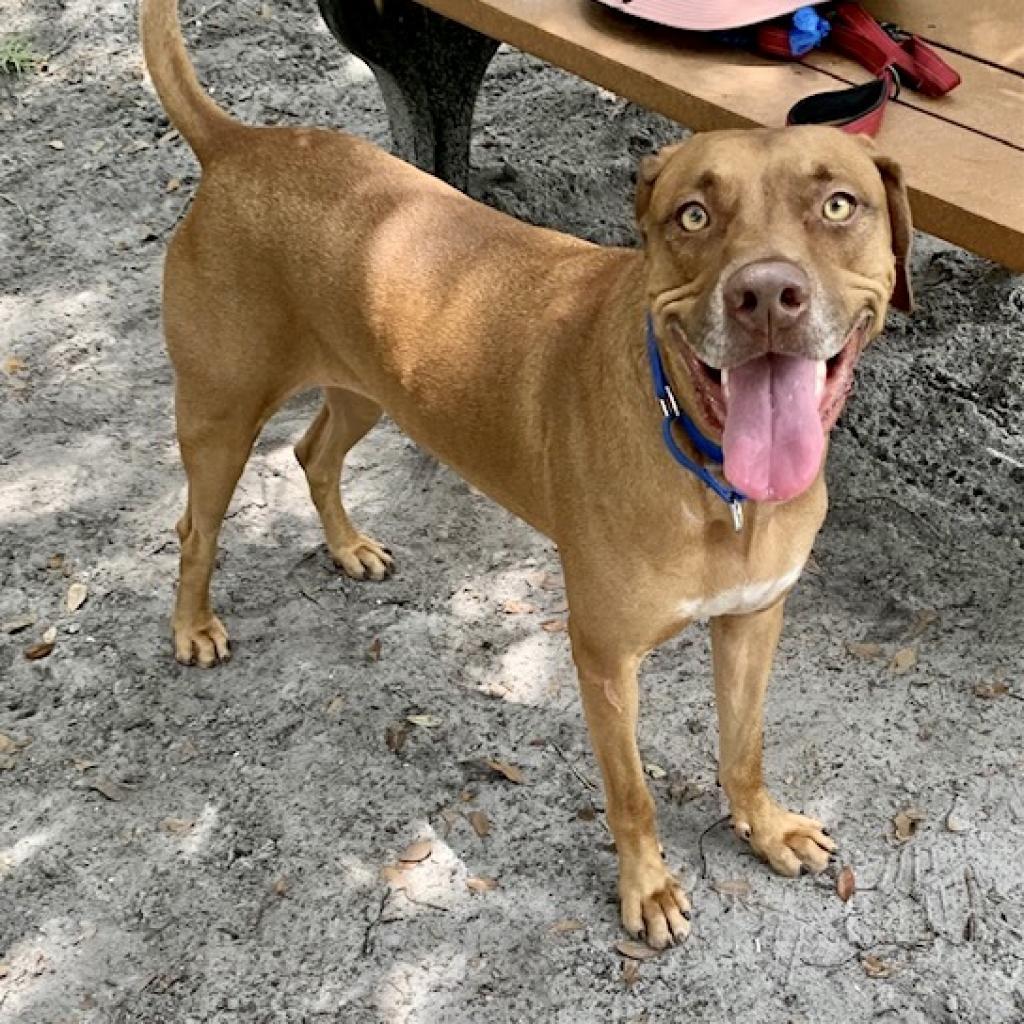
[773, 442]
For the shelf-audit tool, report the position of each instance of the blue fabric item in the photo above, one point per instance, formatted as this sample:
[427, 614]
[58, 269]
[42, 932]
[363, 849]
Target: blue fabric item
[809, 29]
[674, 415]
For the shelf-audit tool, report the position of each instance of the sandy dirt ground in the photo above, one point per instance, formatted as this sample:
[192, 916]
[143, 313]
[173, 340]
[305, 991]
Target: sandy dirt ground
[187, 846]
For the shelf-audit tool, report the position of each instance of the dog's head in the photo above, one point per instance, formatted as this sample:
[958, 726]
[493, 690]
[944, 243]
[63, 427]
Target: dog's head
[772, 256]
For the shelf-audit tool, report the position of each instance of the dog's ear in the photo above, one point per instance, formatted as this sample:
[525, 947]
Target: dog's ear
[900, 227]
[647, 175]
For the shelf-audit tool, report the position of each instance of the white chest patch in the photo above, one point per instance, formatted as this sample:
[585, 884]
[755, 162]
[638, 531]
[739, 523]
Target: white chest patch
[750, 597]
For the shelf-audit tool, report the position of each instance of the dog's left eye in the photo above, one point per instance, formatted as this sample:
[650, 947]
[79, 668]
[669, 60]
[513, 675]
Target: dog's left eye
[693, 217]
[839, 207]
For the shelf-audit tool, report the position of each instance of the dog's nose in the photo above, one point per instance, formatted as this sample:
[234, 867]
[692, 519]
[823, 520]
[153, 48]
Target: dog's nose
[768, 296]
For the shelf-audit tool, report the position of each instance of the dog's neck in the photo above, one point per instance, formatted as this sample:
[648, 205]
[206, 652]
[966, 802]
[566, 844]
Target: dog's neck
[614, 360]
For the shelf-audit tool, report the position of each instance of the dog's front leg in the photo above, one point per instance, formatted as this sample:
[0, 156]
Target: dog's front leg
[653, 903]
[743, 647]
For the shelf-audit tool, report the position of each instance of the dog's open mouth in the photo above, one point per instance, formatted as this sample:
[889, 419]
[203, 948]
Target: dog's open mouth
[774, 412]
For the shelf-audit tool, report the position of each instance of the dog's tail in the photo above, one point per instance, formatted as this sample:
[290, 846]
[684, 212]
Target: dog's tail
[204, 126]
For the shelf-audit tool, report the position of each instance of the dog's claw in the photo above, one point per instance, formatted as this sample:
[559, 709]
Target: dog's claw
[792, 844]
[205, 645]
[365, 559]
[655, 909]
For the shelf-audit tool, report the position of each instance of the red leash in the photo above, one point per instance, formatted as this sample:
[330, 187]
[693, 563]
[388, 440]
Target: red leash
[895, 57]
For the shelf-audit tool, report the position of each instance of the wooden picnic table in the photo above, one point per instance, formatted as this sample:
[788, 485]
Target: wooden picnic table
[963, 154]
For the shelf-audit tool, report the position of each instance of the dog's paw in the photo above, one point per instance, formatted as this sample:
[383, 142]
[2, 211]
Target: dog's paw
[204, 644]
[654, 906]
[364, 560]
[791, 843]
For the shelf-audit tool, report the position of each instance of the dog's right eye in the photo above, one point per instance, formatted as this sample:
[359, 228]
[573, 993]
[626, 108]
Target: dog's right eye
[693, 217]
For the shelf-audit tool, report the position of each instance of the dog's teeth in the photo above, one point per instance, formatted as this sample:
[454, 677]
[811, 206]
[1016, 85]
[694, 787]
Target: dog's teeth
[820, 372]
[725, 384]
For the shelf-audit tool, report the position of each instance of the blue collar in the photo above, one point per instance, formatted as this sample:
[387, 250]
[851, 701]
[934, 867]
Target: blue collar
[672, 414]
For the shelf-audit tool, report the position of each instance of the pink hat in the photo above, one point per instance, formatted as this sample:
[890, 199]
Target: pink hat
[707, 15]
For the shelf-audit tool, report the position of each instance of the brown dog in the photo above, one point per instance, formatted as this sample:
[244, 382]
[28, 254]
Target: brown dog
[517, 355]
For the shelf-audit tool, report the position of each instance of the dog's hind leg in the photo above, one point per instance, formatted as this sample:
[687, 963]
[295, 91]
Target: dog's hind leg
[215, 445]
[344, 419]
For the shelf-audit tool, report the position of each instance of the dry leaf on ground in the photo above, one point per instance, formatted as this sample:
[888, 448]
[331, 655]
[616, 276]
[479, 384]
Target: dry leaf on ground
[480, 822]
[630, 973]
[395, 736]
[334, 705]
[55, 561]
[476, 884]
[732, 887]
[424, 721]
[655, 771]
[17, 625]
[178, 826]
[281, 886]
[955, 824]
[513, 607]
[77, 594]
[875, 968]
[509, 771]
[108, 788]
[923, 618]
[635, 950]
[846, 884]
[50, 636]
[417, 852]
[991, 691]
[566, 925]
[903, 660]
[555, 625]
[373, 652]
[864, 651]
[13, 365]
[906, 822]
[43, 649]
[9, 745]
